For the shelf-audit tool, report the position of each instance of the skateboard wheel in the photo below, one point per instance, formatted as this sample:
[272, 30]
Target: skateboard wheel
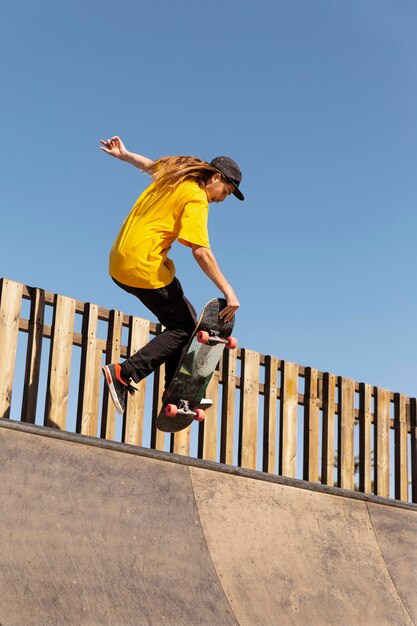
[203, 336]
[231, 343]
[171, 410]
[201, 416]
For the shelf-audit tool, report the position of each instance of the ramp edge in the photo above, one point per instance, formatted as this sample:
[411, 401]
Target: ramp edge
[169, 457]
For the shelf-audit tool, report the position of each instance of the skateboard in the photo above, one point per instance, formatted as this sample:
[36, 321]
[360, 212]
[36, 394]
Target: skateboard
[182, 402]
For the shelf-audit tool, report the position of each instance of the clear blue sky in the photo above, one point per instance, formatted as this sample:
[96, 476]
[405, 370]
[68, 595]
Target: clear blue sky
[315, 99]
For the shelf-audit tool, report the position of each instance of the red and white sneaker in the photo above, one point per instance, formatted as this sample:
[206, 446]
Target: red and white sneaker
[118, 388]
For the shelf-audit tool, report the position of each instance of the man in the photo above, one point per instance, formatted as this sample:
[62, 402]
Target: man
[174, 206]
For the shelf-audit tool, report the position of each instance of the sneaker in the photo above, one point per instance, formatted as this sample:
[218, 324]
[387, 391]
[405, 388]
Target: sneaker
[117, 386]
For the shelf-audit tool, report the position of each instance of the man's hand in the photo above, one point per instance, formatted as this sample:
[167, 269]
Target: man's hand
[114, 147]
[232, 306]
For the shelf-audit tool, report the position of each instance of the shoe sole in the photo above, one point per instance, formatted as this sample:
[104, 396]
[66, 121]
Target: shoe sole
[109, 380]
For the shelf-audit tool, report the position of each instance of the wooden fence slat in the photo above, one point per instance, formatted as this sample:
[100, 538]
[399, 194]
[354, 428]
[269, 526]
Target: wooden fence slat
[269, 463]
[207, 448]
[311, 426]
[228, 372]
[135, 409]
[33, 356]
[60, 363]
[108, 418]
[98, 377]
[248, 440]
[181, 442]
[365, 438]
[382, 441]
[346, 473]
[328, 435]
[401, 456]
[88, 388]
[413, 448]
[288, 419]
[157, 436]
[10, 305]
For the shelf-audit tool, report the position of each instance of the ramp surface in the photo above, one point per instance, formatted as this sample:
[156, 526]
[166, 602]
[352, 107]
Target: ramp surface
[105, 534]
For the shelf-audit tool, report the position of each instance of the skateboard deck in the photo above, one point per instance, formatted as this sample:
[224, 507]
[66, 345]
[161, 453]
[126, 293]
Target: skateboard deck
[188, 386]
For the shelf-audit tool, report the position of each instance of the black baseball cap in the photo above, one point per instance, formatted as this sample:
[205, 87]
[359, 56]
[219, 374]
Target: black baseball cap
[230, 171]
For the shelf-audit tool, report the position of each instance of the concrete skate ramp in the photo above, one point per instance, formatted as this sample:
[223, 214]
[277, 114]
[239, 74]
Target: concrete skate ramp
[105, 534]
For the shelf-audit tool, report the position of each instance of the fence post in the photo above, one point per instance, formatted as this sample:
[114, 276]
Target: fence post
[135, 408]
[365, 443]
[346, 472]
[157, 436]
[207, 448]
[248, 440]
[288, 419]
[329, 411]
[311, 426]
[401, 460]
[228, 375]
[10, 305]
[87, 412]
[413, 448]
[382, 430]
[33, 356]
[108, 419]
[60, 362]
[181, 441]
[269, 463]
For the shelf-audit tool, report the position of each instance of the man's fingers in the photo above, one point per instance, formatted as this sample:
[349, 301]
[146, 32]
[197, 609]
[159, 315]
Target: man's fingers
[227, 313]
[105, 143]
[113, 141]
[111, 146]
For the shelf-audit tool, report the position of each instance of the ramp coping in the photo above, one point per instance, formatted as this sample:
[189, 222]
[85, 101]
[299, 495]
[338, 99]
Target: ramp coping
[169, 457]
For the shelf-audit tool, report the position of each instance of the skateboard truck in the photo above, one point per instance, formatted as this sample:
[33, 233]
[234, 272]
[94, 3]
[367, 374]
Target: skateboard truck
[183, 408]
[213, 337]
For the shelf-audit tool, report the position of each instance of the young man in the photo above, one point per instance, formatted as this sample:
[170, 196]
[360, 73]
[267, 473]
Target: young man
[174, 206]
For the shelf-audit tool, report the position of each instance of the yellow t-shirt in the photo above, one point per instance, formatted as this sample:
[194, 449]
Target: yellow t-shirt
[138, 257]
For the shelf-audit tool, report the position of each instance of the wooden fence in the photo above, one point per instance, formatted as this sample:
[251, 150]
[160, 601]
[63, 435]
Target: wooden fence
[267, 414]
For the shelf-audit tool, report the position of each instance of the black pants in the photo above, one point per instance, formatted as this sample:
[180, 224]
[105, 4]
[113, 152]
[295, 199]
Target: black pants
[173, 311]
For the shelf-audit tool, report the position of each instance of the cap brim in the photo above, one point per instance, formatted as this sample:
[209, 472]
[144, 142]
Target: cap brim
[238, 194]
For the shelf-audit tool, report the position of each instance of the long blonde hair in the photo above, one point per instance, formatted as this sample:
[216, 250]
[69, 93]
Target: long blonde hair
[171, 171]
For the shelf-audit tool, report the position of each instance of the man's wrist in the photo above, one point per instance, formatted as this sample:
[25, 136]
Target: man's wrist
[124, 155]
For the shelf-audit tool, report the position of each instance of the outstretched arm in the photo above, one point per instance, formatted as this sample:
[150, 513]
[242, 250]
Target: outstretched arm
[117, 149]
[207, 261]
